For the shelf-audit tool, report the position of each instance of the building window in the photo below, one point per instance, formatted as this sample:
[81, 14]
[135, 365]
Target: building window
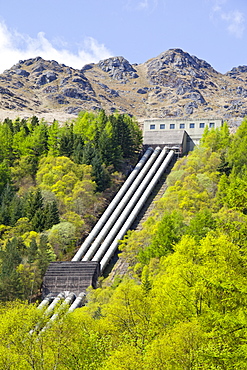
[192, 125]
[202, 125]
[182, 125]
[162, 126]
[152, 127]
[172, 126]
[211, 124]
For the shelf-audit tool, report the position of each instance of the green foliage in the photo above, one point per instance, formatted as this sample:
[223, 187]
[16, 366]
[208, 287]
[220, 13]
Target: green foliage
[5, 177]
[52, 179]
[10, 283]
[237, 155]
[201, 224]
[182, 304]
[100, 174]
[168, 232]
[62, 237]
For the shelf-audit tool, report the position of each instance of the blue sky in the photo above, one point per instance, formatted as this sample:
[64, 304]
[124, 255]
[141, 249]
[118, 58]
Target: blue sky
[77, 32]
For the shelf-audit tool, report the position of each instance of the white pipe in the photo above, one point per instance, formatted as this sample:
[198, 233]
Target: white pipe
[45, 302]
[54, 303]
[135, 212]
[129, 206]
[78, 302]
[49, 309]
[94, 232]
[121, 206]
[65, 303]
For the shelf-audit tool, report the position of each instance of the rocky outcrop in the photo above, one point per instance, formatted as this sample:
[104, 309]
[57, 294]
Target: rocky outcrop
[46, 78]
[118, 68]
[176, 60]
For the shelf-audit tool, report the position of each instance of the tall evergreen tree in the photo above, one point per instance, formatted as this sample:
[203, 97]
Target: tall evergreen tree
[100, 174]
[44, 254]
[10, 278]
[88, 153]
[34, 122]
[34, 203]
[5, 201]
[66, 141]
[32, 251]
[78, 146]
[9, 123]
[53, 139]
[51, 215]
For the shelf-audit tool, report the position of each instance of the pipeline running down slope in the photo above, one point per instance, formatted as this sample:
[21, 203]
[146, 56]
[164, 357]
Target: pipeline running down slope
[102, 242]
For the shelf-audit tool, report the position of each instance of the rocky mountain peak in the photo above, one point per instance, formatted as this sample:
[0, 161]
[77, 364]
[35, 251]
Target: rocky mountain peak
[173, 84]
[118, 68]
[180, 59]
[178, 62]
[238, 73]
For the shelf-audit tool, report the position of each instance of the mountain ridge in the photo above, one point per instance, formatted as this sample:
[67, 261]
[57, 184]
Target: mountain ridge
[174, 84]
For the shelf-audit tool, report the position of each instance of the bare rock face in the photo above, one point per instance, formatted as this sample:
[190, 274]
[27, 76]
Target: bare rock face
[46, 78]
[118, 68]
[177, 61]
[173, 84]
[238, 73]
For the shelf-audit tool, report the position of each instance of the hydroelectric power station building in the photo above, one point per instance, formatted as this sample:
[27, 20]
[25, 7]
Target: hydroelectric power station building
[179, 134]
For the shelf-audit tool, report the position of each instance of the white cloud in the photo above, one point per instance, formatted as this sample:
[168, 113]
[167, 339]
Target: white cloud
[236, 22]
[15, 46]
[234, 19]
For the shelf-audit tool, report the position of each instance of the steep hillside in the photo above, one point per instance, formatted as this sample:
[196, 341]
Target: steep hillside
[173, 84]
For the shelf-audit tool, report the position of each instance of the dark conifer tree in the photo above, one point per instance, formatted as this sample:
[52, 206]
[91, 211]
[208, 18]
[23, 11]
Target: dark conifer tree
[16, 209]
[11, 287]
[17, 125]
[9, 123]
[24, 125]
[32, 251]
[5, 176]
[44, 255]
[101, 124]
[41, 142]
[34, 207]
[51, 215]
[38, 220]
[100, 174]
[54, 213]
[5, 201]
[88, 153]
[77, 155]
[34, 202]
[110, 152]
[66, 141]
[34, 122]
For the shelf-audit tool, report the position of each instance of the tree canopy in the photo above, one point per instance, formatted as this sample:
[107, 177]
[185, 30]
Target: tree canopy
[182, 303]
[55, 181]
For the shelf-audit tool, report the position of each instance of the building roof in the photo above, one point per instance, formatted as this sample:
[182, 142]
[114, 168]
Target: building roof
[172, 137]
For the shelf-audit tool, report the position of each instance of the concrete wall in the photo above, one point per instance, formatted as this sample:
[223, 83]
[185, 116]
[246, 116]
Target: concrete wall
[194, 127]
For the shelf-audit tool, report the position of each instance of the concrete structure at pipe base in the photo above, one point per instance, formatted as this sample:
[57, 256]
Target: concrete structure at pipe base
[179, 134]
[70, 276]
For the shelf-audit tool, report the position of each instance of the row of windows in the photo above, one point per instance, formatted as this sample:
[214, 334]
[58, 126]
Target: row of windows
[181, 126]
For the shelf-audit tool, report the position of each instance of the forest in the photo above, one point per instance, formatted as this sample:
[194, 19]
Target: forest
[182, 304]
[55, 180]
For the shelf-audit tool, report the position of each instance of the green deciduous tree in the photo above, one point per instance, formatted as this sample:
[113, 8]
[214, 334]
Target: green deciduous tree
[168, 232]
